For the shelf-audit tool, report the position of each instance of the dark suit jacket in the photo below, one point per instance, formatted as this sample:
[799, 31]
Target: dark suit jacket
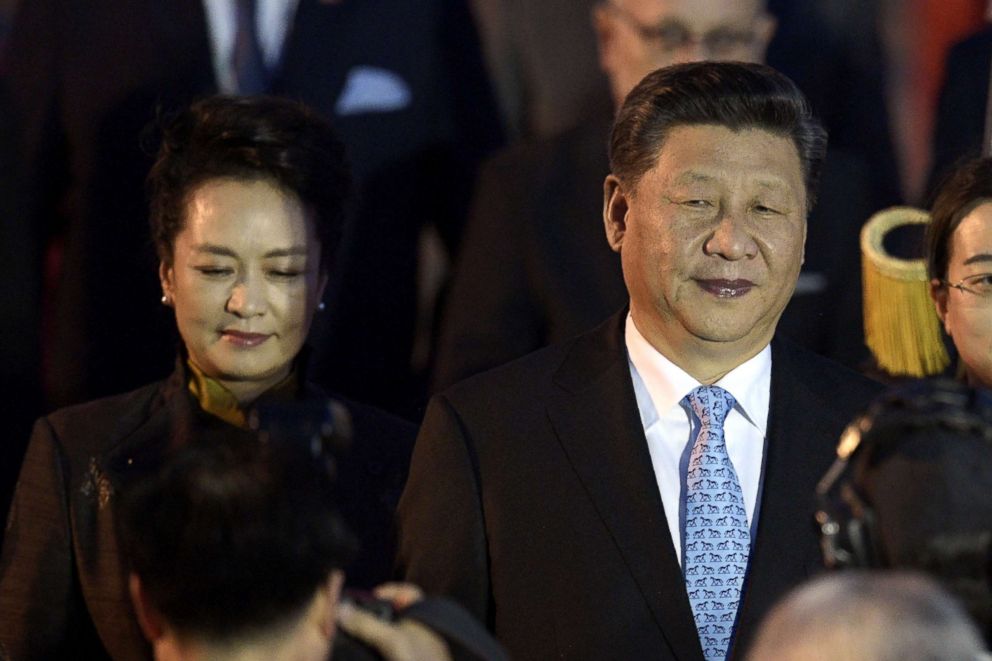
[536, 268]
[86, 78]
[960, 123]
[63, 580]
[532, 500]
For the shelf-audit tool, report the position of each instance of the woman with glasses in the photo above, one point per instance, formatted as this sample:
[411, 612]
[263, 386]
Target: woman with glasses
[959, 264]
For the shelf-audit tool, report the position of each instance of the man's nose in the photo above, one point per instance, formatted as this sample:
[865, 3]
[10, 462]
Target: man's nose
[731, 239]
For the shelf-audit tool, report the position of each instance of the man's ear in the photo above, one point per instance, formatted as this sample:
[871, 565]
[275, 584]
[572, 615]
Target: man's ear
[615, 207]
[939, 292]
[166, 276]
[150, 620]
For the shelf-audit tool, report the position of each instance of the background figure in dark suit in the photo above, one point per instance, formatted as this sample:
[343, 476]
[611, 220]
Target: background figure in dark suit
[960, 122]
[547, 495]
[534, 268]
[248, 202]
[402, 81]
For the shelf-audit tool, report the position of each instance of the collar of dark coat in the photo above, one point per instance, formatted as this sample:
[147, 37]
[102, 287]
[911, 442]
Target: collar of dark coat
[170, 419]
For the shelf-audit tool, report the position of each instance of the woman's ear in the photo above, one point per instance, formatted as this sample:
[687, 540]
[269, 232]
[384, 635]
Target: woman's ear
[939, 292]
[166, 276]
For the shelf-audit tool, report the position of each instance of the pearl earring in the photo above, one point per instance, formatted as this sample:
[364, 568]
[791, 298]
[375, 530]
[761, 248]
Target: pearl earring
[321, 306]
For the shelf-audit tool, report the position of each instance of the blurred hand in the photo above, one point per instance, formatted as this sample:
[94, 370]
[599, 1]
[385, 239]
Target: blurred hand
[405, 640]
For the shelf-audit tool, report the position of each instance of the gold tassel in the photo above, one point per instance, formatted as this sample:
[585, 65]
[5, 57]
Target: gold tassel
[901, 326]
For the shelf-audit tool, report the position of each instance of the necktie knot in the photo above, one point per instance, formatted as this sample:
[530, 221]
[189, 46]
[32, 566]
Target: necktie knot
[711, 404]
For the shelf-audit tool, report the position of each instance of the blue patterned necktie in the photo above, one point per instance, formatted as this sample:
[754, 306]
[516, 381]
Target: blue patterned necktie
[246, 58]
[715, 533]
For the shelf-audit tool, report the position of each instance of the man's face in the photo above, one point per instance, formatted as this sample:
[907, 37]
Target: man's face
[711, 239]
[638, 36]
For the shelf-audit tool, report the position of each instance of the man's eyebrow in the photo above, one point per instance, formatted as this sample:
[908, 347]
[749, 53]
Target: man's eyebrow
[979, 258]
[773, 182]
[693, 176]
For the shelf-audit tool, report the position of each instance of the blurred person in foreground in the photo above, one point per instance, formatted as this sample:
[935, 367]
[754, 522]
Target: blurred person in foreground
[911, 489]
[868, 616]
[535, 269]
[644, 490]
[247, 203]
[236, 551]
[959, 264]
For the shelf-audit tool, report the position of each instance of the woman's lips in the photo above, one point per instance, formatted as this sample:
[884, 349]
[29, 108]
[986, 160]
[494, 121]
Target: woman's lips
[246, 340]
[726, 288]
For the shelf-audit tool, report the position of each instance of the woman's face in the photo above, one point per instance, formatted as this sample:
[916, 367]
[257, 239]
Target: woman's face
[967, 316]
[245, 281]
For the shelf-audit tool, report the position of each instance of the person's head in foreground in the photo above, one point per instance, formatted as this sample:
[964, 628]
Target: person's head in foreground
[959, 264]
[714, 167]
[636, 37]
[867, 616]
[247, 207]
[236, 551]
[912, 489]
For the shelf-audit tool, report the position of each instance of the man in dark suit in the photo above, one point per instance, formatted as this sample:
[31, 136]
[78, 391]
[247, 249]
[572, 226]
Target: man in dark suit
[557, 496]
[959, 128]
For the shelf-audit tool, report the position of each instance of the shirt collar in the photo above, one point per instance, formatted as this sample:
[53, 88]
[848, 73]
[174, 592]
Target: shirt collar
[667, 383]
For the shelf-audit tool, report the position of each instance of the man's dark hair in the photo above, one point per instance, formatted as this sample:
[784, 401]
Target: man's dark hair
[735, 95]
[249, 139]
[958, 195]
[233, 538]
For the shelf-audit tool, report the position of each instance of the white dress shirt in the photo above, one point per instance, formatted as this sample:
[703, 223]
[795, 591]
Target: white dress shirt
[272, 21]
[660, 385]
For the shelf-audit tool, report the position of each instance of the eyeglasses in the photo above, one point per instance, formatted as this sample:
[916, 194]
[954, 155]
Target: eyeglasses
[671, 35]
[979, 284]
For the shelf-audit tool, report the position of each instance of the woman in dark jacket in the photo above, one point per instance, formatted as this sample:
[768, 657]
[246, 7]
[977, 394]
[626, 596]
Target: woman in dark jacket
[247, 206]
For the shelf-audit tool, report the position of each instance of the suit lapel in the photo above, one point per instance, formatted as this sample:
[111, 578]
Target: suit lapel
[785, 550]
[594, 414]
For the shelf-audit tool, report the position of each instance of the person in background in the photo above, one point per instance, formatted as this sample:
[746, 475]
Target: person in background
[534, 268]
[247, 206]
[962, 108]
[403, 83]
[236, 551]
[644, 490]
[911, 489]
[959, 264]
[868, 616]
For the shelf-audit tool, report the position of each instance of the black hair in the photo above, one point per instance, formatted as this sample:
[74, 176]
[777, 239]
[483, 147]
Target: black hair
[736, 95]
[249, 139]
[230, 538]
[963, 190]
